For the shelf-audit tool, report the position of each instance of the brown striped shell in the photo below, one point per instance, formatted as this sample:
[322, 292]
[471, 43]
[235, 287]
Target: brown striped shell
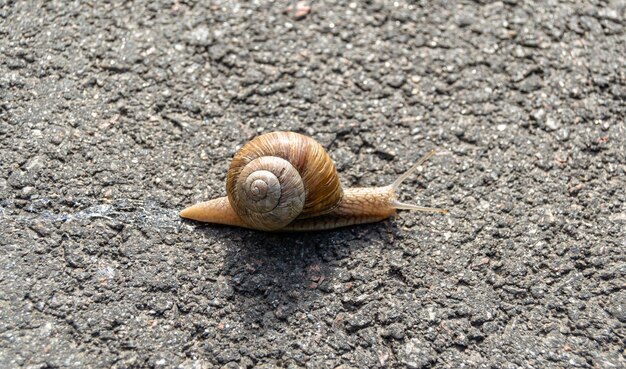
[279, 177]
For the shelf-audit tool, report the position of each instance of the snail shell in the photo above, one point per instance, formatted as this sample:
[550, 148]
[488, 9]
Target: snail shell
[287, 181]
[280, 176]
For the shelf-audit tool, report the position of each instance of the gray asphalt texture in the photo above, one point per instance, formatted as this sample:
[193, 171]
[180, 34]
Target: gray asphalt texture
[116, 115]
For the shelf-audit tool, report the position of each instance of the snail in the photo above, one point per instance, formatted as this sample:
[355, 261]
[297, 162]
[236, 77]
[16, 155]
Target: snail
[285, 181]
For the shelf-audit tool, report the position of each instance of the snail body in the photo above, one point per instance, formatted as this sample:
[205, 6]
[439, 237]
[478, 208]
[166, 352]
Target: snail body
[285, 181]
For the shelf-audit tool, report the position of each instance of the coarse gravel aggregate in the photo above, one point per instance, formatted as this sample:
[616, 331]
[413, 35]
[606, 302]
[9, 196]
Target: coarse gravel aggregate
[115, 115]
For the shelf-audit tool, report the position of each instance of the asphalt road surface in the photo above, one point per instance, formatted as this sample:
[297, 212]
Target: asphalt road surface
[115, 115]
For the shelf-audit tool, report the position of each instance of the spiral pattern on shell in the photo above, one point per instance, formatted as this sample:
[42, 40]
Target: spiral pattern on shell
[280, 176]
[271, 193]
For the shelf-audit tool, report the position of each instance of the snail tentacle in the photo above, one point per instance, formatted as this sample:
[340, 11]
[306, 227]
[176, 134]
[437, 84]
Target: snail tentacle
[395, 186]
